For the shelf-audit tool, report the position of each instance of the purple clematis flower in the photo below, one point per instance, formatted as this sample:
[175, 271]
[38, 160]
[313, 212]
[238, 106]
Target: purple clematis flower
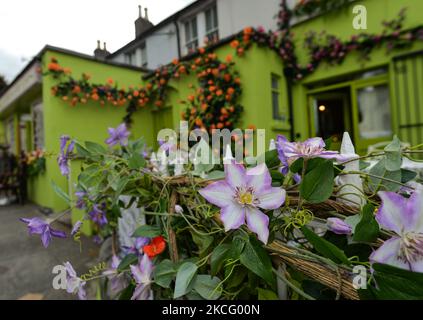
[139, 243]
[311, 148]
[98, 215]
[338, 226]
[65, 154]
[118, 280]
[404, 217]
[241, 195]
[76, 227]
[118, 136]
[39, 226]
[80, 200]
[142, 275]
[74, 284]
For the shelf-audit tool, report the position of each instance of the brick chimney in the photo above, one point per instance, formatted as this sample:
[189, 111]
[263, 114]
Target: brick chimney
[99, 53]
[142, 24]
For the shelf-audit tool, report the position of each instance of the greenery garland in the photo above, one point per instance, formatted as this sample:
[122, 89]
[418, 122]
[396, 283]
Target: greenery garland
[214, 104]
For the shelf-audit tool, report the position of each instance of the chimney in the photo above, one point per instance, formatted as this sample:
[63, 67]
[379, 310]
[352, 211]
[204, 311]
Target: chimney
[99, 53]
[142, 24]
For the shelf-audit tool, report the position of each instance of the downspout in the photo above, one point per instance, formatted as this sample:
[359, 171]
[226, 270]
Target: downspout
[290, 104]
[178, 37]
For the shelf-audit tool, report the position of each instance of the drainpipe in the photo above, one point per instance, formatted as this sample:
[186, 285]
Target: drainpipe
[178, 37]
[290, 104]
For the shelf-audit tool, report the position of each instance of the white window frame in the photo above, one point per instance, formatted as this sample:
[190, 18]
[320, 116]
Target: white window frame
[191, 42]
[38, 126]
[212, 34]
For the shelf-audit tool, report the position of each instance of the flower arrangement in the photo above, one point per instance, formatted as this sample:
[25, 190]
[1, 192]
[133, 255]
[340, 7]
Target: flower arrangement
[294, 227]
[35, 162]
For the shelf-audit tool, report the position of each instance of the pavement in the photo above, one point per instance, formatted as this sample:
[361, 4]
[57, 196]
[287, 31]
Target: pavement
[26, 266]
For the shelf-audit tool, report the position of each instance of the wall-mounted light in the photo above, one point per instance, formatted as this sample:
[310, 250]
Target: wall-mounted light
[322, 108]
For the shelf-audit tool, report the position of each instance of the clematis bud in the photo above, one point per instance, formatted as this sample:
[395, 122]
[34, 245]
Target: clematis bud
[338, 226]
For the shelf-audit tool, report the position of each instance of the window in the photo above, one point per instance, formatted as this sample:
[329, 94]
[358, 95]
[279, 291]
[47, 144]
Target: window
[131, 58]
[212, 27]
[191, 35]
[38, 120]
[276, 98]
[144, 61]
[10, 134]
[374, 112]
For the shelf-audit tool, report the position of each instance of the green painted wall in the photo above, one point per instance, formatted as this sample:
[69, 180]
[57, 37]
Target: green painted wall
[339, 23]
[83, 122]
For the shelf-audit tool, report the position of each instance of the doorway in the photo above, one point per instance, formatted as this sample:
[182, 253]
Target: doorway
[332, 115]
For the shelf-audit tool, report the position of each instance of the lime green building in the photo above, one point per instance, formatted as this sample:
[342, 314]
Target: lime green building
[373, 99]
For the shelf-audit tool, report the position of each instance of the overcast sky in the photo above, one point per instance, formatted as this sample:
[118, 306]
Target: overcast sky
[27, 25]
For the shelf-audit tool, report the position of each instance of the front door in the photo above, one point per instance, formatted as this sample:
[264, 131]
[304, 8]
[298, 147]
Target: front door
[331, 111]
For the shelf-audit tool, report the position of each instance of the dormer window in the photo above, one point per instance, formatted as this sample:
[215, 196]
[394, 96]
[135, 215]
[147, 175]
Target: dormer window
[191, 35]
[212, 26]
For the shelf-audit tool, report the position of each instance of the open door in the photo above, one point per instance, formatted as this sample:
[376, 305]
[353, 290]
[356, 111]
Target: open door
[331, 115]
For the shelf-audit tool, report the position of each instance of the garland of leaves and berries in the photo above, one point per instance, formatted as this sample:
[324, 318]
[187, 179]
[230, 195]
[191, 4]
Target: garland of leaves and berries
[213, 105]
[330, 48]
[312, 7]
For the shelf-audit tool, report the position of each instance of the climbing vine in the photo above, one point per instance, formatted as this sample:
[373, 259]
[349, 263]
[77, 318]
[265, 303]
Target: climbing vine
[214, 102]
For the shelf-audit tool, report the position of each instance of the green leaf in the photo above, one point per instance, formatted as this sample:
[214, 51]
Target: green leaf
[367, 230]
[164, 273]
[264, 294]
[379, 170]
[60, 192]
[272, 159]
[95, 148]
[325, 248]
[127, 261]
[119, 184]
[147, 231]
[203, 242]
[353, 221]
[297, 165]
[184, 279]
[81, 150]
[257, 260]
[218, 257]
[317, 185]
[397, 284]
[393, 155]
[207, 286]
[407, 175]
[127, 293]
[136, 161]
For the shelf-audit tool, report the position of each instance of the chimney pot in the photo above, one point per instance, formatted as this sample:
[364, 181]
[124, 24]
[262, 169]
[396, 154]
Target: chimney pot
[104, 46]
[139, 11]
[98, 44]
[146, 14]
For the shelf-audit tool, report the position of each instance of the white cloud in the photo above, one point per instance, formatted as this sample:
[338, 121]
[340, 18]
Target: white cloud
[74, 25]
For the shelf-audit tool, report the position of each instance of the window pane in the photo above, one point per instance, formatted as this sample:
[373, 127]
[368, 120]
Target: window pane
[374, 112]
[216, 24]
[187, 32]
[194, 28]
[275, 106]
[209, 24]
[275, 83]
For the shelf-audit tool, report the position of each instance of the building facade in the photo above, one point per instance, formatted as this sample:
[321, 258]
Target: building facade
[372, 98]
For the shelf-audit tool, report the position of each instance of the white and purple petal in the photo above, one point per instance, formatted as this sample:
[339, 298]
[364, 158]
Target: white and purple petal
[258, 223]
[271, 198]
[393, 213]
[232, 216]
[218, 193]
[235, 175]
[388, 253]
